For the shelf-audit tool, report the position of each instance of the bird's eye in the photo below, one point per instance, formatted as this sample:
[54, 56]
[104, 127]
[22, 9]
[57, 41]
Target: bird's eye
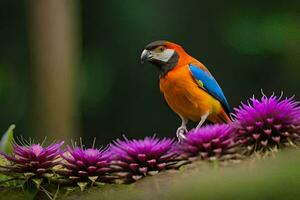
[161, 49]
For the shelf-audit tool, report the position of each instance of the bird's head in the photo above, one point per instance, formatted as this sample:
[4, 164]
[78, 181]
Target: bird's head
[163, 54]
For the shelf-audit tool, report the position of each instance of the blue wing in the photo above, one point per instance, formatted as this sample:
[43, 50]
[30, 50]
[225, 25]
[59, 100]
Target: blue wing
[208, 83]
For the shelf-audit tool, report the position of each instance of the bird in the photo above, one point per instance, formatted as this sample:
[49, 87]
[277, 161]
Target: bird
[188, 87]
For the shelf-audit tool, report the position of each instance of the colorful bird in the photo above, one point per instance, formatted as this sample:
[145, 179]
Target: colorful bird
[187, 85]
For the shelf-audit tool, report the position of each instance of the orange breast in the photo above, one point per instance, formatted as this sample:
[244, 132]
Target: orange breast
[184, 96]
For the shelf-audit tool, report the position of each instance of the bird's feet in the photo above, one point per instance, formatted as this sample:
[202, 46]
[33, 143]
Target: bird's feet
[180, 133]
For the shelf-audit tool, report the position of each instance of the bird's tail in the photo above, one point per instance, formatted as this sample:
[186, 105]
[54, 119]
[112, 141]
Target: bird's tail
[221, 117]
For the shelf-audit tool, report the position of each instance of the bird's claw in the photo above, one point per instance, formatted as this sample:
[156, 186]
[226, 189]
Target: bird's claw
[180, 133]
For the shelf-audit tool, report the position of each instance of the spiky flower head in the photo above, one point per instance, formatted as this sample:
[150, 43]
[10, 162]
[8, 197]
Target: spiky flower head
[84, 164]
[268, 122]
[33, 158]
[209, 141]
[138, 158]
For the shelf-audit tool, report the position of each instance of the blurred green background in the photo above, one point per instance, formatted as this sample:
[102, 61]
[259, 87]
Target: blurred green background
[71, 68]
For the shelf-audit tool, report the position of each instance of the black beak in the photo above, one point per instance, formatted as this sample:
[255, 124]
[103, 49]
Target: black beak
[145, 56]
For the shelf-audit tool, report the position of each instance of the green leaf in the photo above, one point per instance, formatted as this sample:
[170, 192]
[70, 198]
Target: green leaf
[7, 139]
[37, 182]
[82, 185]
[99, 184]
[69, 190]
[29, 174]
[93, 178]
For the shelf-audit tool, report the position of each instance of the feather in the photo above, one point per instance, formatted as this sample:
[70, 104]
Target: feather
[207, 82]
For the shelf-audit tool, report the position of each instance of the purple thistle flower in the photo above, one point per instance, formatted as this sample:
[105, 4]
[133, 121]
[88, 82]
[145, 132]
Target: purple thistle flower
[267, 122]
[138, 158]
[208, 141]
[33, 158]
[84, 163]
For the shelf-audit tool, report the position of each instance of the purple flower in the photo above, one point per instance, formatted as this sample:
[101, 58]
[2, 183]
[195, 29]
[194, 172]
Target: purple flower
[267, 122]
[84, 163]
[33, 158]
[138, 158]
[208, 141]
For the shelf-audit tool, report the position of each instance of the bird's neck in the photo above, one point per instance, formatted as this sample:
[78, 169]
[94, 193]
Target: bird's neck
[175, 62]
[164, 68]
